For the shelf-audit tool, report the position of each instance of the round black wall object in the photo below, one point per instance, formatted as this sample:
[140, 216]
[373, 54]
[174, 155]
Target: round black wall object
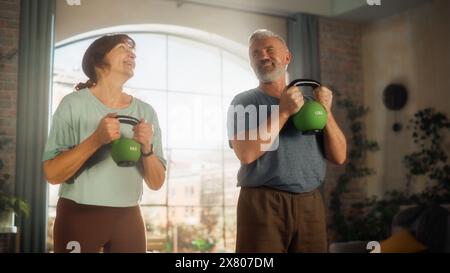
[395, 96]
[397, 127]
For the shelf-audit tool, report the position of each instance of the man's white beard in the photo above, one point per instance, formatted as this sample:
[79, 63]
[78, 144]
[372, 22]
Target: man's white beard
[271, 76]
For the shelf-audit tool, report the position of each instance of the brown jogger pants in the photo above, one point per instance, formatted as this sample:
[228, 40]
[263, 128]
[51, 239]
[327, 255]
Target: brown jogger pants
[270, 220]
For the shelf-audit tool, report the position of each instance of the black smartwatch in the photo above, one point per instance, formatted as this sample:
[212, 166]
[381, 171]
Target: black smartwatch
[149, 153]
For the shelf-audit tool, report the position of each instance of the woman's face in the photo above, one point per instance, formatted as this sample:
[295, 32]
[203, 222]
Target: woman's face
[122, 59]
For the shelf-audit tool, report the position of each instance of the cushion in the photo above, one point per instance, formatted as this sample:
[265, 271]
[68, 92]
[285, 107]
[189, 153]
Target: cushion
[402, 242]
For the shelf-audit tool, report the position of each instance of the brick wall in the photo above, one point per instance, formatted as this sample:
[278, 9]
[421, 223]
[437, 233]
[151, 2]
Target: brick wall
[9, 43]
[341, 69]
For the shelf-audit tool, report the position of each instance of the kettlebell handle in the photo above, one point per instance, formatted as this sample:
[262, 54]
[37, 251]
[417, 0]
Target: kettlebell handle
[304, 82]
[127, 120]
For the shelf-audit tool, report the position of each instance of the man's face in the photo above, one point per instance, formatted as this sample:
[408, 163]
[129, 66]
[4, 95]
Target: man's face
[269, 58]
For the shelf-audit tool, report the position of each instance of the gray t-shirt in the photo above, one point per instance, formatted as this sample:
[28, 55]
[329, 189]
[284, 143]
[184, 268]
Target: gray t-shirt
[297, 165]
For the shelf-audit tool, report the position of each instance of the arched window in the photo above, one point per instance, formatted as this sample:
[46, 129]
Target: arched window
[189, 77]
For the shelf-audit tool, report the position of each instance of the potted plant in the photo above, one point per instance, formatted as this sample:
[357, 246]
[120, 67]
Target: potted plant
[9, 204]
[9, 207]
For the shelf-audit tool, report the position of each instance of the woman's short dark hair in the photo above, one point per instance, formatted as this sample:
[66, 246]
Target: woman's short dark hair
[94, 57]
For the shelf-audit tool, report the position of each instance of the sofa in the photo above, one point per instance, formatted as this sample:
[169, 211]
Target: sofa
[409, 218]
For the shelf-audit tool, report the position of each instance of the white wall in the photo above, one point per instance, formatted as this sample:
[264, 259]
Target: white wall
[412, 48]
[95, 14]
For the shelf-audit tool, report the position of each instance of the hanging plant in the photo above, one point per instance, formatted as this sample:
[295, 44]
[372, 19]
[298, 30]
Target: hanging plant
[356, 167]
[373, 222]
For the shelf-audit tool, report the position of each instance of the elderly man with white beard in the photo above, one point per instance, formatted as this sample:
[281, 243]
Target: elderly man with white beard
[280, 207]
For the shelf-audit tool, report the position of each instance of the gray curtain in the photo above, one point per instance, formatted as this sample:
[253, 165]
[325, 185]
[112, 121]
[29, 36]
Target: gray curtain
[303, 42]
[35, 72]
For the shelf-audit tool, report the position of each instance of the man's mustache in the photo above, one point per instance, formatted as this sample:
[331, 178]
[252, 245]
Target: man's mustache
[264, 62]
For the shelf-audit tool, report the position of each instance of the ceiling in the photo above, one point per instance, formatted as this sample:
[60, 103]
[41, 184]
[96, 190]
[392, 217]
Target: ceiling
[346, 9]
[387, 8]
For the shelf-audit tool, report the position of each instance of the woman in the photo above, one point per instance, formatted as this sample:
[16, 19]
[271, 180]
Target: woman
[98, 206]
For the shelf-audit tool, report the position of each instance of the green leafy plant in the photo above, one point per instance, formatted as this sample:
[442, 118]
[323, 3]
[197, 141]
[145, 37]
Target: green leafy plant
[190, 238]
[8, 202]
[355, 168]
[373, 217]
[429, 131]
[203, 245]
[7, 56]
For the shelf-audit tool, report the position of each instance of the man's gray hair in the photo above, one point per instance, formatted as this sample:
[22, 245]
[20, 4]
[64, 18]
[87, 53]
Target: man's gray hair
[261, 34]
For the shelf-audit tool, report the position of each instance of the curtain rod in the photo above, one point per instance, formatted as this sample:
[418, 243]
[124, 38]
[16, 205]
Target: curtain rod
[179, 3]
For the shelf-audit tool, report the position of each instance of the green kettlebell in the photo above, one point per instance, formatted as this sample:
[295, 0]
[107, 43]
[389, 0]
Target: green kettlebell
[126, 151]
[312, 117]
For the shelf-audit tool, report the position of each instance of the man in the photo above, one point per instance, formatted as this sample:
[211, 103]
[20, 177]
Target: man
[280, 208]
